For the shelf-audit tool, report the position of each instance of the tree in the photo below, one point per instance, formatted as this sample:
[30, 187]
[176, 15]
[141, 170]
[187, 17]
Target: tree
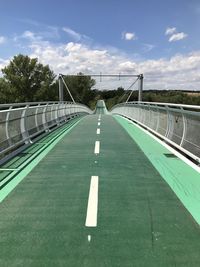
[80, 88]
[5, 92]
[29, 80]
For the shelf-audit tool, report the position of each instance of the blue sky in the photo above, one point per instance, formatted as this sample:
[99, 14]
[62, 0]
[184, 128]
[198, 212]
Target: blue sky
[159, 38]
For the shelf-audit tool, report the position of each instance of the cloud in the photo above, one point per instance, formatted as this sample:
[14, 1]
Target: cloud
[47, 31]
[74, 57]
[30, 35]
[76, 36]
[174, 35]
[148, 47]
[3, 63]
[170, 31]
[128, 36]
[2, 39]
[29, 21]
[177, 37]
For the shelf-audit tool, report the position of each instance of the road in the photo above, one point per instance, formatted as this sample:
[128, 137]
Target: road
[96, 200]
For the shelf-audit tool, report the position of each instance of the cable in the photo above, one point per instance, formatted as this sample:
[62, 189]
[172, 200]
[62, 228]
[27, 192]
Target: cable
[132, 90]
[127, 92]
[67, 89]
[122, 97]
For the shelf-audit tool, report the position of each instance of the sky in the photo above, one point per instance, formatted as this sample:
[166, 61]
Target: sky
[159, 38]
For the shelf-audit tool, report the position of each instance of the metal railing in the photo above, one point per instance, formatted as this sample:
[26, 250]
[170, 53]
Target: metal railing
[20, 123]
[179, 125]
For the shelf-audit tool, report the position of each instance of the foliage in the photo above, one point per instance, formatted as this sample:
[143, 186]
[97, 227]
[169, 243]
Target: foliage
[6, 95]
[27, 80]
[80, 88]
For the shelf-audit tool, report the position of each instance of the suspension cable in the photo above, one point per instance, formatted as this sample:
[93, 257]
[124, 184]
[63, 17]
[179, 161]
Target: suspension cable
[132, 90]
[122, 97]
[67, 89]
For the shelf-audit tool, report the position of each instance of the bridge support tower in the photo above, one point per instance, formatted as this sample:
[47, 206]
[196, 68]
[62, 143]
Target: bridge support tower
[140, 87]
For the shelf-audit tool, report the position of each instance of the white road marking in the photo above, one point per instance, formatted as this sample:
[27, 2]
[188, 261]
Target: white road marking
[92, 208]
[99, 117]
[97, 147]
[89, 238]
[99, 123]
[98, 131]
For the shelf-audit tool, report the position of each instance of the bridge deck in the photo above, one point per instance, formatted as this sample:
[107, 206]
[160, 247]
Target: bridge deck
[141, 222]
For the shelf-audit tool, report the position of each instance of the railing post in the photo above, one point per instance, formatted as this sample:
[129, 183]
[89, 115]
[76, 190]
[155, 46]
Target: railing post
[36, 117]
[44, 120]
[168, 121]
[52, 117]
[140, 85]
[57, 112]
[6, 126]
[184, 127]
[158, 118]
[24, 131]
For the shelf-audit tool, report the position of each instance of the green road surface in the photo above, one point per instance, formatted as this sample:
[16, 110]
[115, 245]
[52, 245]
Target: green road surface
[101, 107]
[141, 222]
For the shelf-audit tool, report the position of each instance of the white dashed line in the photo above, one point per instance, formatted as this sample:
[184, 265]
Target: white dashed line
[97, 147]
[98, 131]
[92, 208]
[89, 238]
[99, 123]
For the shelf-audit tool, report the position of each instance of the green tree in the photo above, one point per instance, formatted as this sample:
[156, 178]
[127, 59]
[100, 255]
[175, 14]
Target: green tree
[80, 88]
[29, 80]
[5, 92]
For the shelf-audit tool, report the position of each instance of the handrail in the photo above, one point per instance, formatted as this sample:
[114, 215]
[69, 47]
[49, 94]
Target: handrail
[177, 124]
[160, 104]
[168, 104]
[21, 123]
[35, 103]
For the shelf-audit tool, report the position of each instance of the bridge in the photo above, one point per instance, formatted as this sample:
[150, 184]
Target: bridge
[99, 188]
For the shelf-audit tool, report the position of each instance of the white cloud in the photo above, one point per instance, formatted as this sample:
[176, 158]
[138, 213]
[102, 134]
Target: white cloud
[2, 39]
[178, 72]
[29, 35]
[127, 66]
[174, 35]
[170, 31]
[30, 22]
[129, 36]
[3, 63]
[148, 47]
[49, 32]
[75, 57]
[75, 35]
[177, 37]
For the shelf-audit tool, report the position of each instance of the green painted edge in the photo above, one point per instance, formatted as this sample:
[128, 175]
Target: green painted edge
[20, 176]
[182, 178]
[58, 132]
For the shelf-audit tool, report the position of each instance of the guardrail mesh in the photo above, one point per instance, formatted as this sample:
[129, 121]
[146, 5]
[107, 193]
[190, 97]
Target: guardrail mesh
[20, 123]
[177, 124]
